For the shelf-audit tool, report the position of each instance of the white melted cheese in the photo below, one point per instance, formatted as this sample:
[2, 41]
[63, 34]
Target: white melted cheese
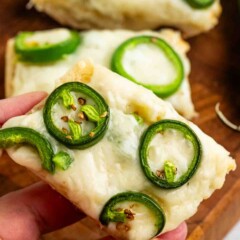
[49, 36]
[170, 146]
[99, 46]
[148, 64]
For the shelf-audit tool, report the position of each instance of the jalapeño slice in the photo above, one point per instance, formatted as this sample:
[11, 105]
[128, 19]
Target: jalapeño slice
[162, 90]
[76, 115]
[166, 177]
[125, 207]
[33, 50]
[200, 4]
[19, 135]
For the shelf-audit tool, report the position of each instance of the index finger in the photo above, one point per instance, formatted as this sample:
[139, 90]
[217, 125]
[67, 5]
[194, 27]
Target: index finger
[180, 233]
[19, 105]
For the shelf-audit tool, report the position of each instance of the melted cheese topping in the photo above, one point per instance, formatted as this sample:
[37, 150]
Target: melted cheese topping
[99, 46]
[49, 36]
[148, 65]
[170, 146]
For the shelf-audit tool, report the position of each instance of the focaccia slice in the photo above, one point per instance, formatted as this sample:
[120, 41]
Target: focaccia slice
[134, 14]
[112, 166]
[99, 46]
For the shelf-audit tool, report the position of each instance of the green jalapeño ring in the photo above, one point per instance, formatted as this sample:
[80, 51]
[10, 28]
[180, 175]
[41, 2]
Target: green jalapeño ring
[166, 177]
[19, 135]
[113, 213]
[200, 4]
[44, 52]
[84, 107]
[161, 90]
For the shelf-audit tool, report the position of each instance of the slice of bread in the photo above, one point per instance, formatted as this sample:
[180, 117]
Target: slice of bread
[100, 46]
[112, 165]
[134, 14]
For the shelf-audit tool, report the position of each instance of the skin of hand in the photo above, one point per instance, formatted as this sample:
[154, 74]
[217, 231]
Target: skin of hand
[38, 209]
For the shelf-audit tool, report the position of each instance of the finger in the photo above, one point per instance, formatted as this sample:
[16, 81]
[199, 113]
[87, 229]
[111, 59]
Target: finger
[35, 210]
[180, 233]
[19, 105]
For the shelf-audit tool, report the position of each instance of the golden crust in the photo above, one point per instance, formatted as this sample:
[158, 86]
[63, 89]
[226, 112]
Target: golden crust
[81, 72]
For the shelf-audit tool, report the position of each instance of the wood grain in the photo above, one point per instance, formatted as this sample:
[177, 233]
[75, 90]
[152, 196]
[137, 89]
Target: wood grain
[215, 77]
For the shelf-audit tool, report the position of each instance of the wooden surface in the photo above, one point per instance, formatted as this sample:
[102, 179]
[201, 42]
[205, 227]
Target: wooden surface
[215, 78]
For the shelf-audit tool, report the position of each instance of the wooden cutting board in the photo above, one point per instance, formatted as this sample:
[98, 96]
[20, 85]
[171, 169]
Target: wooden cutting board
[215, 77]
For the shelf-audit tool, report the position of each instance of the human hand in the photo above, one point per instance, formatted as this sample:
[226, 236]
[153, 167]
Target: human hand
[38, 209]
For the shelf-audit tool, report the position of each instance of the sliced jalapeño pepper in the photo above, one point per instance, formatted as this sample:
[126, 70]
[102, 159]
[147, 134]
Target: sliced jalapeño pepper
[161, 90]
[18, 135]
[84, 117]
[200, 4]
[30, 50]
[62, 160]
[166, 178]
[121, 209]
